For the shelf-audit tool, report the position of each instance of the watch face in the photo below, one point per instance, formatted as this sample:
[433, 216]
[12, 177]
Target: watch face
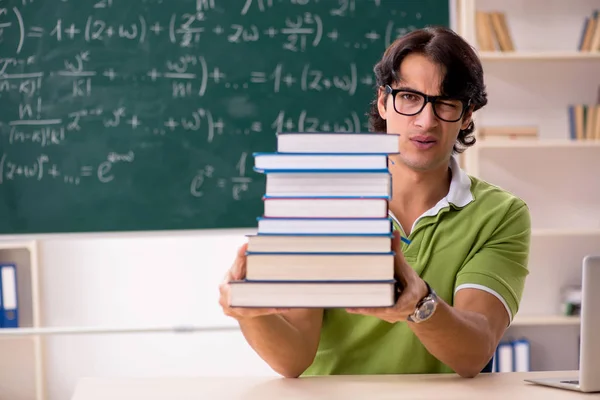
[426, 309]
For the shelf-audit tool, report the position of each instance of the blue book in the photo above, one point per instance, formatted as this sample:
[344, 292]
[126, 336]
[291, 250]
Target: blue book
[10, 307]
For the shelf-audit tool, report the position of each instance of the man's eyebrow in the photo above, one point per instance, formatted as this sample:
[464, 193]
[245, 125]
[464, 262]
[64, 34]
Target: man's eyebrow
[418, 91]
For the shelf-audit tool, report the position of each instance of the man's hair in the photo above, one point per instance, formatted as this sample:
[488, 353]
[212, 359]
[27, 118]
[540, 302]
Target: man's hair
[463, 72]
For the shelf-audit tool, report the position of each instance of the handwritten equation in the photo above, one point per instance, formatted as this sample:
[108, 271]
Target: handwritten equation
[96, 90]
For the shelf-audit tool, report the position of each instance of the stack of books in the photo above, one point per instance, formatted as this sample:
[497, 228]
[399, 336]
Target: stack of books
[325, 238]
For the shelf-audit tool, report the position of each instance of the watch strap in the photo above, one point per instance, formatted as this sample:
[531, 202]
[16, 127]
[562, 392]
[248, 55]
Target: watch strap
[420, 302]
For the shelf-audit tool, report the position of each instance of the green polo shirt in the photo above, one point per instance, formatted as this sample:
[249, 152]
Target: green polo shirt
[478, 236]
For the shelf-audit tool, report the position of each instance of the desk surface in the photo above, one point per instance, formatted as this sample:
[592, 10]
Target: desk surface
[483, 387]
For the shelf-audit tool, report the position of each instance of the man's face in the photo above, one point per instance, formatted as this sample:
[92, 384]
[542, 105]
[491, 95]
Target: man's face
[426, 141]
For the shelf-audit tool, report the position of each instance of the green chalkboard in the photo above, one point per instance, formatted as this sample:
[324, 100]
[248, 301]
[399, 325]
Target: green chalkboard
[128, 115]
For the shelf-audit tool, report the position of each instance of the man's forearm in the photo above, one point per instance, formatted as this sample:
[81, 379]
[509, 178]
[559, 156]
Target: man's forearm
[462, 340]
[277, 342]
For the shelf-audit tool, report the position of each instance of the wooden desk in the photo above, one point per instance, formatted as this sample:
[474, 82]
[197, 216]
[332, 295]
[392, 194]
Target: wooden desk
[504, 386]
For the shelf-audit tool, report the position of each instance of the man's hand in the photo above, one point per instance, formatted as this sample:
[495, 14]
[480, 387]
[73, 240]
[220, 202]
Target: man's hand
[238, 272]
[413, 290]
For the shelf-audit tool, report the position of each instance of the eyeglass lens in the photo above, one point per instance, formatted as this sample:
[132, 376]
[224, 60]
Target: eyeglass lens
[409, 103]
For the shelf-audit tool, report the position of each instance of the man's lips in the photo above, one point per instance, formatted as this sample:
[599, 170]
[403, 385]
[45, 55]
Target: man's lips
[423, 139]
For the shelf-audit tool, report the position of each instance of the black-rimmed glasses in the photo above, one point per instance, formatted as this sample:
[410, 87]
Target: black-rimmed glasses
[411, 102]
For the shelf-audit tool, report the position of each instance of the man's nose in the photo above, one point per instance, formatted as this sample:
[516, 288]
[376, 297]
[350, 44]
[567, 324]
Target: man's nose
[426, 118]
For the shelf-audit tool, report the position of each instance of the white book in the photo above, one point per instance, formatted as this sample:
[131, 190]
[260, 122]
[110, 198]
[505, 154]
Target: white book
[312, 294]
[295, 161]
[325, 226]
[319, 244]
[295, 184]
[319, 207]
[319, 267]
[333, 142]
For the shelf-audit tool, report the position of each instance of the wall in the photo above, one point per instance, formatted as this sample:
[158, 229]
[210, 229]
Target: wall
[143, 281]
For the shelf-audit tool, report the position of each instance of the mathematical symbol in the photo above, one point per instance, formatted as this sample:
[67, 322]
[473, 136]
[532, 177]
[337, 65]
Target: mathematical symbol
[401, 31]
[326, 127]
[72, 31]
[218, 30]
[327, 83]
[153, 74]
[35, 31]
[333, 35]
[221, 183]
[53, 171]
[86, 171]
[219, 125]
[367, 80]
[288, 80]
[289, 124]
[258, 77]
[134, 122]
[271, 32]
[110, 31]
[156, 28]
[372, 36]
[216, 75]
[110, 74]
[256, 126]
[171, 124]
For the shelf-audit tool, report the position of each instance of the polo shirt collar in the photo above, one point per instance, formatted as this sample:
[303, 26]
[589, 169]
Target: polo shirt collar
[458, 195]
[460, 186]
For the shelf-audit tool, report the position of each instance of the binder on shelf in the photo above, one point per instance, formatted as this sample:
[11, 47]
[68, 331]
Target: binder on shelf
[9, 317]
[522, 354]
[513, 356]
[505, 356]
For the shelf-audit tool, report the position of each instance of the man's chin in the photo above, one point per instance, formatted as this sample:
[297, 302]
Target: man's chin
[421, 163]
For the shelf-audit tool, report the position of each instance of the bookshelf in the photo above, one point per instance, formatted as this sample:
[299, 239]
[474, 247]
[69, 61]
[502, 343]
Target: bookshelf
[21, 364]
[537, 56]
[556, 174]
[545, 320]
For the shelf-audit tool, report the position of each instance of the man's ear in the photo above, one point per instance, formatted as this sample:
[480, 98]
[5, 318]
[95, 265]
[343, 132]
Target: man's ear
[381, 100]
[467, 118]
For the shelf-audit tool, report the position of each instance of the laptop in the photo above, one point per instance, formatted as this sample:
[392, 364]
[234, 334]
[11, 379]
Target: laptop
[589, 344]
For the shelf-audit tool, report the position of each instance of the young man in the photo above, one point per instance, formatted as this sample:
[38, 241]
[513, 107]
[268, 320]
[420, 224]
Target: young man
[464, 272]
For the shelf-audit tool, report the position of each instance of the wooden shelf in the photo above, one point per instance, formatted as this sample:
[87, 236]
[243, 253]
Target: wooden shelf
[538, 56]
[545, 320]
[565, 232]
[533, 143]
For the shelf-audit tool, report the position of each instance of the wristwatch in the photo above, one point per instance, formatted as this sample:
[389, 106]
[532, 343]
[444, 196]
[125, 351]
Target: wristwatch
[425, 307]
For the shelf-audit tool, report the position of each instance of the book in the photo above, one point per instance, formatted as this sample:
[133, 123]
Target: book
[295, 161]
[320, 266]
[318, 244]
[324, 226]
[324, 239]
[329, 184]
[337, 142]
[313, 294]
[508, 132]
[325, 207]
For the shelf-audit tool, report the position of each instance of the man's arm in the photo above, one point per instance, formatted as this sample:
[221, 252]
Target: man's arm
[488, 290]
[465, 336]
[287, 339]
[287, 342]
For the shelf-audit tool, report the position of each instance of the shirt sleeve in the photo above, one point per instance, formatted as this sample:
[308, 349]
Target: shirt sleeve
[500, 265]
